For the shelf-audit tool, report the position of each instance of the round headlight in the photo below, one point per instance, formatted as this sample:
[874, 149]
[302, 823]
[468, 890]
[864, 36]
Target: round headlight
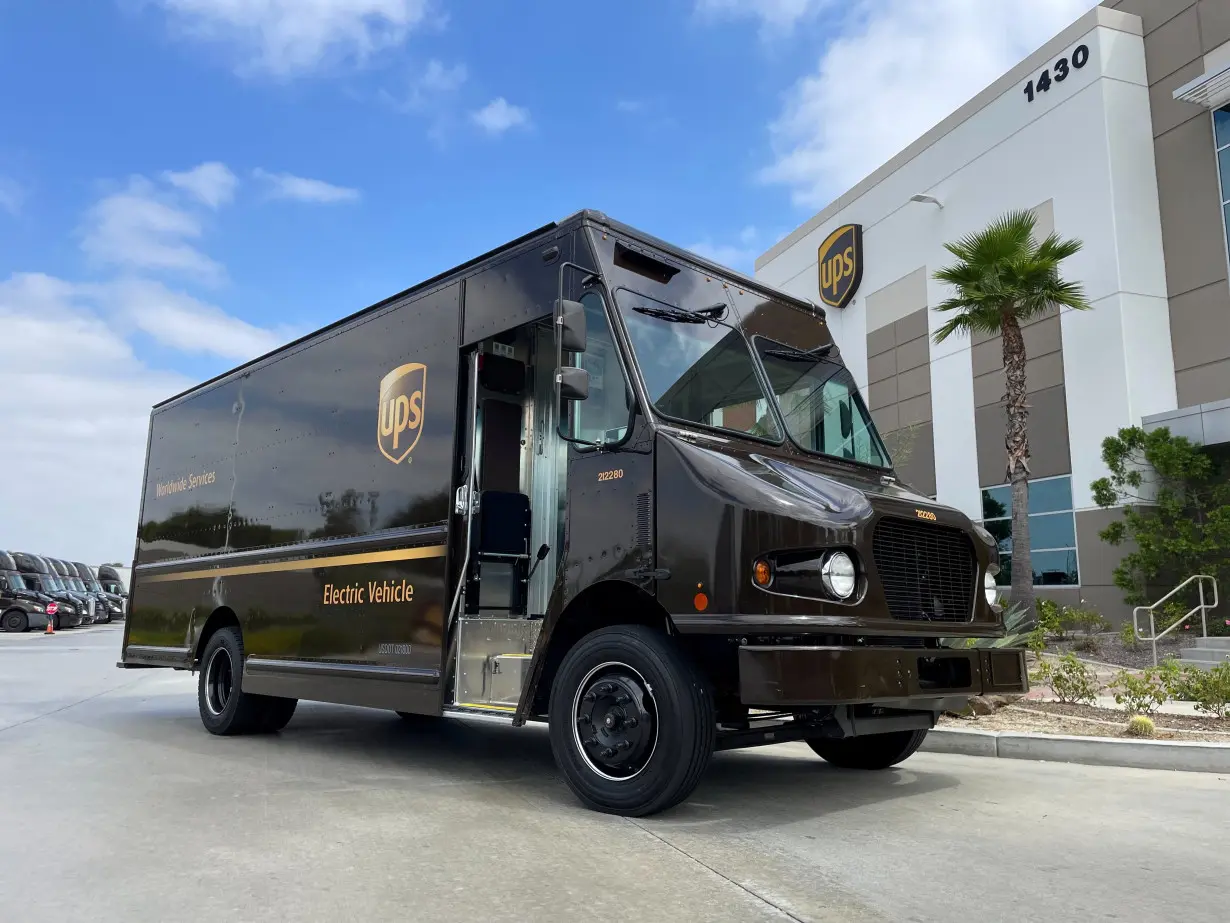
[989, 586]
[838, 575]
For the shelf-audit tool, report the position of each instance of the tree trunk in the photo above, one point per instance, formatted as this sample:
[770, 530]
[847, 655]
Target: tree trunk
[1017, 444]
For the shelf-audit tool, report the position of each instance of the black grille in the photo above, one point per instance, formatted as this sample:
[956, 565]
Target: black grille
[928, 572]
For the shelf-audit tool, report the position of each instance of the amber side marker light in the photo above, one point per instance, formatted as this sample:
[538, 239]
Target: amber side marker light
[701, 602]
[762, 573]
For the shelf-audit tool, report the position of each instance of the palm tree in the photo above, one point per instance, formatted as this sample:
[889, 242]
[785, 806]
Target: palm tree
[1002, 278]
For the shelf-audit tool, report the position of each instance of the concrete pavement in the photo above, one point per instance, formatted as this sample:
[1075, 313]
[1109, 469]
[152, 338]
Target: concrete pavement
[118, 806]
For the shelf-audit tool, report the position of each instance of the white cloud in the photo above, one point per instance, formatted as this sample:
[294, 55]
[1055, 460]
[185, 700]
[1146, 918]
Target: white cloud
[74, 487]
[138, 228]
[773, 14]
[629, 105]
[184, 323]
[899, 67]
[740, 256]
[12, 196]
[289, 37]
[498, 116]
[213, 183]
[437, 80]
[302, 189]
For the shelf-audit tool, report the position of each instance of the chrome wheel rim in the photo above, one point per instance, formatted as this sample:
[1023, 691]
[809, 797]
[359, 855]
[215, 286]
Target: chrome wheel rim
[219, 681]
[615, 721]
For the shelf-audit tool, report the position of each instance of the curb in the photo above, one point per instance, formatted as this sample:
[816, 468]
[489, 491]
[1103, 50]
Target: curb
[1195, 756]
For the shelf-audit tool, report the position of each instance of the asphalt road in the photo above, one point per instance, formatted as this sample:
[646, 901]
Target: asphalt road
[117, 805]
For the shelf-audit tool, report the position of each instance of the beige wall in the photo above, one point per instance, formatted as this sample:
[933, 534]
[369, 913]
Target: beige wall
[1178, 33]
[899, 377]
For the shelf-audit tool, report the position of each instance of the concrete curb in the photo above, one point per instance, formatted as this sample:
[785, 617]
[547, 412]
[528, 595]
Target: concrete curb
[1194, 756]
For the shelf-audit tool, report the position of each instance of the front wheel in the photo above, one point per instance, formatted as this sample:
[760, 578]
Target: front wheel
[15, 620]
[874, 751]
[632, 721]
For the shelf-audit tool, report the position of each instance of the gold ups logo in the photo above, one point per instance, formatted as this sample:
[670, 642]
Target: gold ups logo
[401, 410]
[841, 265]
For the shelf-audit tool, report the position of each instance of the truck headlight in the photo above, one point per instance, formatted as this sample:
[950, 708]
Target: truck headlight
[989, 586]
[838, 575]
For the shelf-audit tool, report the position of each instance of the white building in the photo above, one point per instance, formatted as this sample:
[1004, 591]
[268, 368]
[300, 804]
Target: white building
[1106, 134]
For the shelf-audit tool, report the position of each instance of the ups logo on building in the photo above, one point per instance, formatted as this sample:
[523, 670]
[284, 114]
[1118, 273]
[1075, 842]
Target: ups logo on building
[841, 265]
[402, 393]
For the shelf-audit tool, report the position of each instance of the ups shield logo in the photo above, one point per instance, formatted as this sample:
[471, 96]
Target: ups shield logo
[402, 392]
[841, 265]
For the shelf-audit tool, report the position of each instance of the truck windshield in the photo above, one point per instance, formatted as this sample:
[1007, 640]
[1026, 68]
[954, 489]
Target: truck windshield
[820, 404]
[696, 367]
[14, 578]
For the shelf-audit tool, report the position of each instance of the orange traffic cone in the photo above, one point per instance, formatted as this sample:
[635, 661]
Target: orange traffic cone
[50, 627]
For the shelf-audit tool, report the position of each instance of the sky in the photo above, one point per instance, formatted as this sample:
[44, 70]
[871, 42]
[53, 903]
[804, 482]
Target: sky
[187, 184]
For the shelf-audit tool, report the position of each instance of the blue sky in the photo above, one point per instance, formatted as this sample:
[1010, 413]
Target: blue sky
[187, 183]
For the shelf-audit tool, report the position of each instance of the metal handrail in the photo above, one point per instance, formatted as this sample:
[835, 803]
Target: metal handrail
[1202, 607]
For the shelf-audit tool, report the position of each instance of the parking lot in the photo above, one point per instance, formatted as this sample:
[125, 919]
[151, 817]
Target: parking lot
[118, 806]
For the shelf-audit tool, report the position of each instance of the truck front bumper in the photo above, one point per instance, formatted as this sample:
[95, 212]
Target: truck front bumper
[782, 678]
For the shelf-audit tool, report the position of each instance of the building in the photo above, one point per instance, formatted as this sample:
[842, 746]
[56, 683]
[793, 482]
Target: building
[1113, 132]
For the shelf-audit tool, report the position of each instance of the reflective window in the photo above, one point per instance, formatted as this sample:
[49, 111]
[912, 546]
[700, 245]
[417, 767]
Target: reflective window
[1052, 531]
[821, 405]
[1221, 135]
[696, 366]
[603, 417]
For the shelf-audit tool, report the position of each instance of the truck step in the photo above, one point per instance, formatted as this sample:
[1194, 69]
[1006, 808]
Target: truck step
[490, 714]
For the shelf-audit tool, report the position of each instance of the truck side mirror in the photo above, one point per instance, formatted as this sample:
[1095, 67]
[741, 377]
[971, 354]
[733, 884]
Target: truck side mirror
[570, 321]
[847, 420]
[573, 383]
[4, 584]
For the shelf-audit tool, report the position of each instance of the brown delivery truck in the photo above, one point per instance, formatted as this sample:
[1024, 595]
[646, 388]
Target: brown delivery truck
[587, 479]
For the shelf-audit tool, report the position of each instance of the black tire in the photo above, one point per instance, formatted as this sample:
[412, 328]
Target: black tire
[276, 714]
[225, 708]
[55, 622]
[414, 719]
[15, 620]
[875, 751]
[610, 677]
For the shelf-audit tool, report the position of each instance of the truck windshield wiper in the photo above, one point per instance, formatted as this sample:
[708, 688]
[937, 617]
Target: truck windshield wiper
[801, 355]
[683, 315]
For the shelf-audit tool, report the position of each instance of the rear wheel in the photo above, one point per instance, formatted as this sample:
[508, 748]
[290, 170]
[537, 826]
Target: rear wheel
[632, 721]
[875, 751]
[15, 620]
[276, 713]
[225, 708]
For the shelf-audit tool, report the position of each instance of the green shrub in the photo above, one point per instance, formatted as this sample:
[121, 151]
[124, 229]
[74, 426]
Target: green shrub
[1049, 618]
[1036, 641]
[1140, 726]
[1070, 680]
[1127, 634]
[1210, 689]
[1141, 694]
[1086, 621]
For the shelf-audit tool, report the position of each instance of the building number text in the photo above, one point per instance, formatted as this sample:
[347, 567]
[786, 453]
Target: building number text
[1062, 67]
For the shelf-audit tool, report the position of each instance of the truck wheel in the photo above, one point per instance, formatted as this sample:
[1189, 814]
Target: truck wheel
[225, 708]
[875, 751]
[632, 721]
[276, 713]
[15, 620]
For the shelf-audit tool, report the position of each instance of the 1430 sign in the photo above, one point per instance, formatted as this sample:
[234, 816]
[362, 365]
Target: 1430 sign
[1061, 69]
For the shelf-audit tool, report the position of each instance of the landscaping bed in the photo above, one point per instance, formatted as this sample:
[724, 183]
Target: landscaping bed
[1028, 716]
[1109, 648]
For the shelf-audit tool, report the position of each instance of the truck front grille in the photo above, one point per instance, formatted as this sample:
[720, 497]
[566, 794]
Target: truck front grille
[929, 573]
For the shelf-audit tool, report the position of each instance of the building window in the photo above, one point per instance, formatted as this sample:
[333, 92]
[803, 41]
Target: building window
[1221, 138]
[1052, 530]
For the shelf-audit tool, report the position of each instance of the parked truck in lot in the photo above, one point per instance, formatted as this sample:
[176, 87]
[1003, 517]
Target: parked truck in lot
[586, 479]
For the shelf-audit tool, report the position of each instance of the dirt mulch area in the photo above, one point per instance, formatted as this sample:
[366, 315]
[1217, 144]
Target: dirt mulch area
[1111, 650]
[1088, 721]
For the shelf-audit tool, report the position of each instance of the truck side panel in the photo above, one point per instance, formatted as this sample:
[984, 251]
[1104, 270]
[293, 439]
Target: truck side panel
[309, 495]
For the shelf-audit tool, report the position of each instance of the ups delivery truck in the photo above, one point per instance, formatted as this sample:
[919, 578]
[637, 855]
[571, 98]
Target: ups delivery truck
[587, 479]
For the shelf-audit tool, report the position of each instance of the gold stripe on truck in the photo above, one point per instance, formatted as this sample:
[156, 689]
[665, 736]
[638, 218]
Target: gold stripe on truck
[337, 560]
